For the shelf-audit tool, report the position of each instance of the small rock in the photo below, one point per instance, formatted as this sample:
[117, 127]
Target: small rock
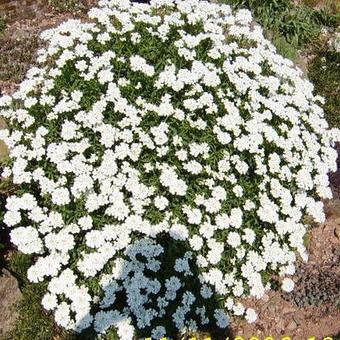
[288, 310]
[333, 208]
[265, 298]
[276, 300]
[299, 318]
[271, 308]
[291, 326]
[9, 295]
[280, 325]
[337, 231]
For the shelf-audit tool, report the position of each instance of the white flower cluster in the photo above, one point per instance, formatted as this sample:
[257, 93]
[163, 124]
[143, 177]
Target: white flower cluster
[155, 128]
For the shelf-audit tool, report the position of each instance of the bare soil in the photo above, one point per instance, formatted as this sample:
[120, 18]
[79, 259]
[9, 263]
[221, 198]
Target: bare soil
[19, 44]
[279, 317]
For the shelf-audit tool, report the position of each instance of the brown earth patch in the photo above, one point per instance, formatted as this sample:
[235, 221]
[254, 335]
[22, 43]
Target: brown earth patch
[280, 314]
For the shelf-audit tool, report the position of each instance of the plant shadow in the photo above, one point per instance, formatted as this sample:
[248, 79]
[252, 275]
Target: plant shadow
[141, 294]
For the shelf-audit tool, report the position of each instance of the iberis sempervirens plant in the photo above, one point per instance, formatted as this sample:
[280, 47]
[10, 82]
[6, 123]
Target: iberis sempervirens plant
[164, 157]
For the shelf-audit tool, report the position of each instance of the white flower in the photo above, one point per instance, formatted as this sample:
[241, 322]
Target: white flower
[85, 222]
[194, 215]
[161, 202]
[193, 167]
[249, 235]
[49, 301]
[170, 180]
[287, 284]
[206, 292]
[158, 332]
[182, 265]
[222, 319]
[238, 190]
[60, 196]
[234, 239]
[238, 309]
[196, 242]
[179, 232]
[27, 240]
[68, 130]
[251, 315]
[105, 76]
[138, 63]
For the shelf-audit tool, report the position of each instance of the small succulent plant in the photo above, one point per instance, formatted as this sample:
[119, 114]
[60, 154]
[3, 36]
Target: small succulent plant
[315, 288]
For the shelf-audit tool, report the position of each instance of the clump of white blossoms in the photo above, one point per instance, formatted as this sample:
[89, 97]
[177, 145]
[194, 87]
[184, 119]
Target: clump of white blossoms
[164, 156]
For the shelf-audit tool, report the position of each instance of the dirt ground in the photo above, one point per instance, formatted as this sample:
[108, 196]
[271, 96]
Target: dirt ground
[278, 315]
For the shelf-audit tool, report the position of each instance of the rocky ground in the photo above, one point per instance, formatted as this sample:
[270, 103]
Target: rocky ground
[308, 311]
[311, 309]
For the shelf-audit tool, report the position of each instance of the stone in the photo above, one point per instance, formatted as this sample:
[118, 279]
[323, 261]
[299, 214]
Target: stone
[288, 310]
[3, 147]
[298, 318]
[337, 231]
[14, 9]
[332, 208]
[271, 308]
[280, 325]
[265, 298]
[291, 326]
[9, 295]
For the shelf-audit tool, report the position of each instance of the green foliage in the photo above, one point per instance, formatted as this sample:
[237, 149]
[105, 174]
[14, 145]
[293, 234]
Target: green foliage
[324, 72]
[19, 264]
[32, 322]
[73, 6]
[292, 27]
[299, 25]
[283, 47]
[2, 25]
[315, 288]
[307, 238]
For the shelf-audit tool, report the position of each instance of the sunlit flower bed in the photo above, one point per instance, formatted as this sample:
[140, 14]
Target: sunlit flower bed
[164, 159]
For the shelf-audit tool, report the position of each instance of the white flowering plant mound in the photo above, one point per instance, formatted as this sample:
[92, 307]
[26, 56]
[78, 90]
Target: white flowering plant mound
[164, 157]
